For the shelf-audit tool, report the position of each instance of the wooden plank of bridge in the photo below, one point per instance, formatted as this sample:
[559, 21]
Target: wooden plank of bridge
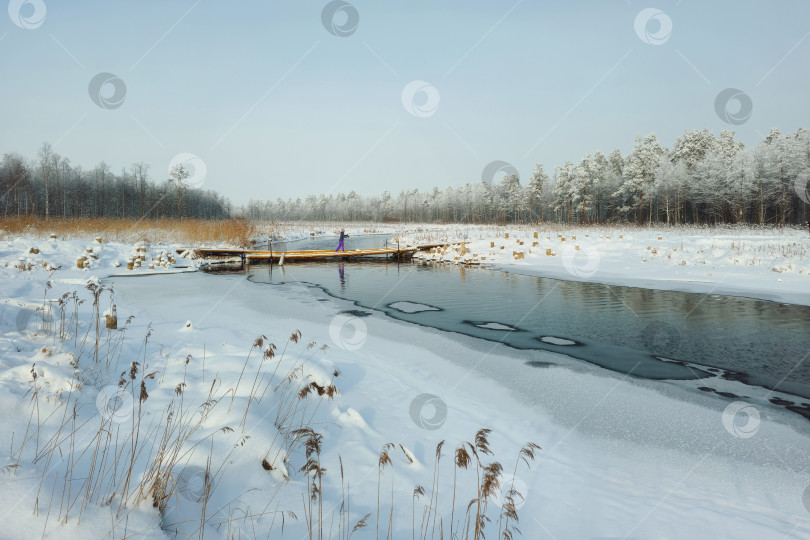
[372, 251]
[331, 254]
[325, 254]
[292, 255]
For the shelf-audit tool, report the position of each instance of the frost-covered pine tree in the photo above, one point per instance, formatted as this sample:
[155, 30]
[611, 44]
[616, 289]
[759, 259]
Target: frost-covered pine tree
[599, 168]
[670, 179]
[534, 192]
[509, 197]
[711, 185]
[782, 160]
[563, 203]
[581, 188]
[742, 186]
[691, 148]
[727, 146]
[639, 175]
[515, 195]
[612, 182]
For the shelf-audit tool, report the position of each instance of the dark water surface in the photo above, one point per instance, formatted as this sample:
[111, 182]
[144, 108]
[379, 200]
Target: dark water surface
[648, 333]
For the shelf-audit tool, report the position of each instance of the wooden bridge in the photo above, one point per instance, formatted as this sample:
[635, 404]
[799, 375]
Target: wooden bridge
[255, 256]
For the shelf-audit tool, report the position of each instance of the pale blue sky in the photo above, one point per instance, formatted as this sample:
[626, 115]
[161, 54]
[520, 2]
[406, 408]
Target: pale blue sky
[276, 106]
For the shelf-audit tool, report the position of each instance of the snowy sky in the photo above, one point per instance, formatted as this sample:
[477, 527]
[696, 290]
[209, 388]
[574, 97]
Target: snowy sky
[275, 105]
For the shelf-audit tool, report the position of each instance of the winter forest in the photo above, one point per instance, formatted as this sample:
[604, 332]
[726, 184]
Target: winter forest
[703, 179]
[50, 186]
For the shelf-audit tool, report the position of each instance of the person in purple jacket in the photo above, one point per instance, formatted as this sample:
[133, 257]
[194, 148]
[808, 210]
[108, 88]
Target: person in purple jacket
[343, 235]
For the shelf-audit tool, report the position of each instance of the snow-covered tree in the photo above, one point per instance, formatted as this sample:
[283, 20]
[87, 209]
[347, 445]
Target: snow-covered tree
[639, 175]
[782, 160]
[669, 181]
[742, 185]
[534, 192]
[563, 196]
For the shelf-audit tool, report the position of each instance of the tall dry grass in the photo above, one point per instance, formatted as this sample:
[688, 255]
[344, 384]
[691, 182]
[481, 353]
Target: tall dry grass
[127, 455]
[237, 232]
[133, 452]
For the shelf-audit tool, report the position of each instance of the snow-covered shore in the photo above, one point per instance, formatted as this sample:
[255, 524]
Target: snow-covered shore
[620, 457]
[769, 264]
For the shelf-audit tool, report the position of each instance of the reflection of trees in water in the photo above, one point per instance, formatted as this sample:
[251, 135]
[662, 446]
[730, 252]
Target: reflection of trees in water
[728, 332]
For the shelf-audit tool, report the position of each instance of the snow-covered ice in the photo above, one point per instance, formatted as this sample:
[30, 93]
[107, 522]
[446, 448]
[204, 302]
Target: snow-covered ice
[495, 326]
[412, 307]
[557, 341]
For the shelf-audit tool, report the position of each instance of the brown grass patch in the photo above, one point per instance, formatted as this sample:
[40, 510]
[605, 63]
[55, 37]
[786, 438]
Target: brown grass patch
[237, 232]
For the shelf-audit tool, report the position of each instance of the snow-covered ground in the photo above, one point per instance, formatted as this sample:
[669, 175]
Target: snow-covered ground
[206, 419]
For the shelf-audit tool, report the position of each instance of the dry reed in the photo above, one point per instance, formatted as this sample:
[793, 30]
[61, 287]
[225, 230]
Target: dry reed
[236, 232]
[119, 463]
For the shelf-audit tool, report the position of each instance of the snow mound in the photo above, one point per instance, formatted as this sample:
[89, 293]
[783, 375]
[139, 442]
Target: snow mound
[351, 418]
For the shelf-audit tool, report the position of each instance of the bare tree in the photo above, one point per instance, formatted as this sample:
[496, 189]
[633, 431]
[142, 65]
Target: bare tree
[177, 176]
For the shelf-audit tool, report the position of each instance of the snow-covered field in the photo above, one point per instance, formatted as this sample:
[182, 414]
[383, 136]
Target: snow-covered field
[187, 419]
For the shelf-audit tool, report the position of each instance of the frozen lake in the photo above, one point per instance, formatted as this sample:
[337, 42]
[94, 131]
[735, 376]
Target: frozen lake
[646, 333]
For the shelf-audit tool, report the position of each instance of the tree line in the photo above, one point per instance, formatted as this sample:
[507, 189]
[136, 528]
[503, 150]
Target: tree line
[702, 179]
[50, 186]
